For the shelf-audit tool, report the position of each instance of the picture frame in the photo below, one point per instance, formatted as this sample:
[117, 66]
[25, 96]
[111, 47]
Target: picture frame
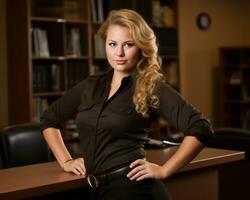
[203, 21]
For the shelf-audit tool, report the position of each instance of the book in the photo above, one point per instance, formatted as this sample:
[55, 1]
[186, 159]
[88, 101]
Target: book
[168, 16]
[40, 42]
[43, 43]
[100, 11]
[157, 14]
[93, 11]
[71, 9]
[55, 77]
[73, 46]
[35, 43]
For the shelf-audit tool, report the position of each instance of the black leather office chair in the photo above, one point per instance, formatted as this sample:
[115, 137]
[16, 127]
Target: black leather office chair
[229, 138]
[23, 144]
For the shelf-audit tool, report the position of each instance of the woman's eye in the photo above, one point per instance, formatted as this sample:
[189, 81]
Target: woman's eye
[129, 45]
[112, 44]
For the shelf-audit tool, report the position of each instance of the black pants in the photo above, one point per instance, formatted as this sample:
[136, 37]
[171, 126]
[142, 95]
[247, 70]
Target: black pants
[125, 189]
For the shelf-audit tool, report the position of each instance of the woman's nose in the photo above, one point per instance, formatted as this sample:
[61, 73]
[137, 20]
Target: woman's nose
[120, 51]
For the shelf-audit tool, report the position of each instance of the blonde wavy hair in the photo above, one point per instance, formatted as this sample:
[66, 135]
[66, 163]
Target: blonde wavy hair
[148, 70]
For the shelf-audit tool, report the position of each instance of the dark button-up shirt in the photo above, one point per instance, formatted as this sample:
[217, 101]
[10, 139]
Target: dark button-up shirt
[111, 132]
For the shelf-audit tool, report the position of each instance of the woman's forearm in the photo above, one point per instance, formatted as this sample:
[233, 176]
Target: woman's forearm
[54, 139]
[189, 148]
[142, 169]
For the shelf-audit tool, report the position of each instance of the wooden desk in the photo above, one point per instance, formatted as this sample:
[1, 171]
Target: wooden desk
[48, 178]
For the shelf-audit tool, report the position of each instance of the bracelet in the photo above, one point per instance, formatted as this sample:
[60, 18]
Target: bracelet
[66, 162]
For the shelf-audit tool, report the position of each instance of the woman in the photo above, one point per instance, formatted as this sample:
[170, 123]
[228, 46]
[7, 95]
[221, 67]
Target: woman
[114, 112]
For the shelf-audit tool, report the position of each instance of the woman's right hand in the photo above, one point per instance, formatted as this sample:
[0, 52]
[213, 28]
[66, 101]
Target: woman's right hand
[76, 166]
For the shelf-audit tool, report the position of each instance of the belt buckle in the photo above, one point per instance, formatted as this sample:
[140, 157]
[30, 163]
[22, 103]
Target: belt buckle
[93, 181]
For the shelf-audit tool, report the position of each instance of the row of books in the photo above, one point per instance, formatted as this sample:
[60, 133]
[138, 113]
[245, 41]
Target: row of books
[162, 15]
[46, 78]
[67, 9]
[97, 11]
[41, 44]
[50, 77]
[73, 9]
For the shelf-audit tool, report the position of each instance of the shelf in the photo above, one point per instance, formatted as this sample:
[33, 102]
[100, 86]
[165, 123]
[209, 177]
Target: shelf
[234, 85]
[60, 58]
[46, 94]
[76, 57]
[47, 19]
[57, 20]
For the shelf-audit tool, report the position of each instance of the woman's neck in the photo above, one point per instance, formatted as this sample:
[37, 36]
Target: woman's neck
[117, 77]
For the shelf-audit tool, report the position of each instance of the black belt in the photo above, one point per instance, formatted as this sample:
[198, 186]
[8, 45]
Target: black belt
[97, 180]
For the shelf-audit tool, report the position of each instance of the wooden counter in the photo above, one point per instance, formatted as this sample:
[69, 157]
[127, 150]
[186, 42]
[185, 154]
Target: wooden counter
[207, 157]
[48, 178]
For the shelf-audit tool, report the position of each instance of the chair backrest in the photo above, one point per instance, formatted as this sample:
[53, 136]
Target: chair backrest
[229, 138]
[23, 144]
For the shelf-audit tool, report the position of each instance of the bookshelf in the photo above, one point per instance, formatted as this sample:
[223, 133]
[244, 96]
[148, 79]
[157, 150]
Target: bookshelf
[52, 45]
[48, 52]
[235, 86]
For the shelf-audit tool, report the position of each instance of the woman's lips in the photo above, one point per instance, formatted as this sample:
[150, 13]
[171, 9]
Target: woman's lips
[120, 62]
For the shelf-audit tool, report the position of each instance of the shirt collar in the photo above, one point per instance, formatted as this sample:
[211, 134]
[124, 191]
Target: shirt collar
[125, 80]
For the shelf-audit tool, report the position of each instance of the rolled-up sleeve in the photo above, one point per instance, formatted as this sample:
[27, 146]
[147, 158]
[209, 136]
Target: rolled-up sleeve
[181, 114]
[63, 109]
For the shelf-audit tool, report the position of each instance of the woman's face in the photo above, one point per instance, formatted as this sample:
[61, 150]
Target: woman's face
[122, 54]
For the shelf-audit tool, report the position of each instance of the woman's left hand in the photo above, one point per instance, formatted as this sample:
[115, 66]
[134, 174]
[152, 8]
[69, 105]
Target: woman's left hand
[142, 169]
